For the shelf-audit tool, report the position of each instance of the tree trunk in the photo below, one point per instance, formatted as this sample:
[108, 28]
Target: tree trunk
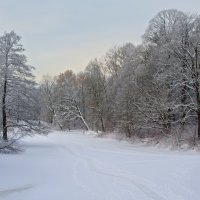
[57, 121]
[82, 117]
[4, 115]
[198, 124]
[60, 125]
[184, 89]
[128, 132]
[102, 125]
[84, 122]
[197, 92]
[51, 116]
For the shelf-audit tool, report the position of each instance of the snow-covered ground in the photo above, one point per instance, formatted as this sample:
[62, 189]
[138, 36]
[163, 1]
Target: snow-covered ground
[73, 166]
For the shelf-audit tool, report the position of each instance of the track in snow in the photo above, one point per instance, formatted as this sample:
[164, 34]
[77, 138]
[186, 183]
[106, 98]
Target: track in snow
[75, 166]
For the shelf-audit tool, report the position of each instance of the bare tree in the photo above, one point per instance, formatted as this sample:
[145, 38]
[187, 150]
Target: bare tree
[68, 103]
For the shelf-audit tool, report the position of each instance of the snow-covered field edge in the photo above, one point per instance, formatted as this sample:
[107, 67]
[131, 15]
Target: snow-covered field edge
[170, 142]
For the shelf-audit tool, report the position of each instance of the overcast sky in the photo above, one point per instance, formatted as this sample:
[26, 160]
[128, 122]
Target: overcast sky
[67, 34]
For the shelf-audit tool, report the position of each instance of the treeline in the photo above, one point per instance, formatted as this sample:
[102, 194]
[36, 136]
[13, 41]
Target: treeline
[152, 88]
[148, 90]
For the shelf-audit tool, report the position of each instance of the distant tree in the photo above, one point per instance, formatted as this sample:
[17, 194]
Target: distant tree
[48, 89]
[68, 106]
[96, 94]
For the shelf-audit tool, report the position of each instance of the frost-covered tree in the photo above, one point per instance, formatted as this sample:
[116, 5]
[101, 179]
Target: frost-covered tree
[96, 95]
[175, 39]
[68, 102]
[154, 86]
[17, 82]
[48, 93]
[120, 87]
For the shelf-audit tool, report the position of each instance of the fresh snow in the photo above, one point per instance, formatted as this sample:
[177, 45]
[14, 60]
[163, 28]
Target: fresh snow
[75, 166]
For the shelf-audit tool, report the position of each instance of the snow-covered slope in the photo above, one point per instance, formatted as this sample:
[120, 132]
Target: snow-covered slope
[74, 166]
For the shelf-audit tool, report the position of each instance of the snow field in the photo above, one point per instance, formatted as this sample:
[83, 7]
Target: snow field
[82, 167]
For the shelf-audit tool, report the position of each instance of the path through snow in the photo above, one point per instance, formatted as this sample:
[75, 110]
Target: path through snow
[80, 167]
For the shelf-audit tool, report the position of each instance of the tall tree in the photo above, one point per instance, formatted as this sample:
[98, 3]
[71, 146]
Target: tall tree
[16, 79]
[96, 94]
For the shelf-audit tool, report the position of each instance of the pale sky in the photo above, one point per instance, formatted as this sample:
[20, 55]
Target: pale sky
[67, 34]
